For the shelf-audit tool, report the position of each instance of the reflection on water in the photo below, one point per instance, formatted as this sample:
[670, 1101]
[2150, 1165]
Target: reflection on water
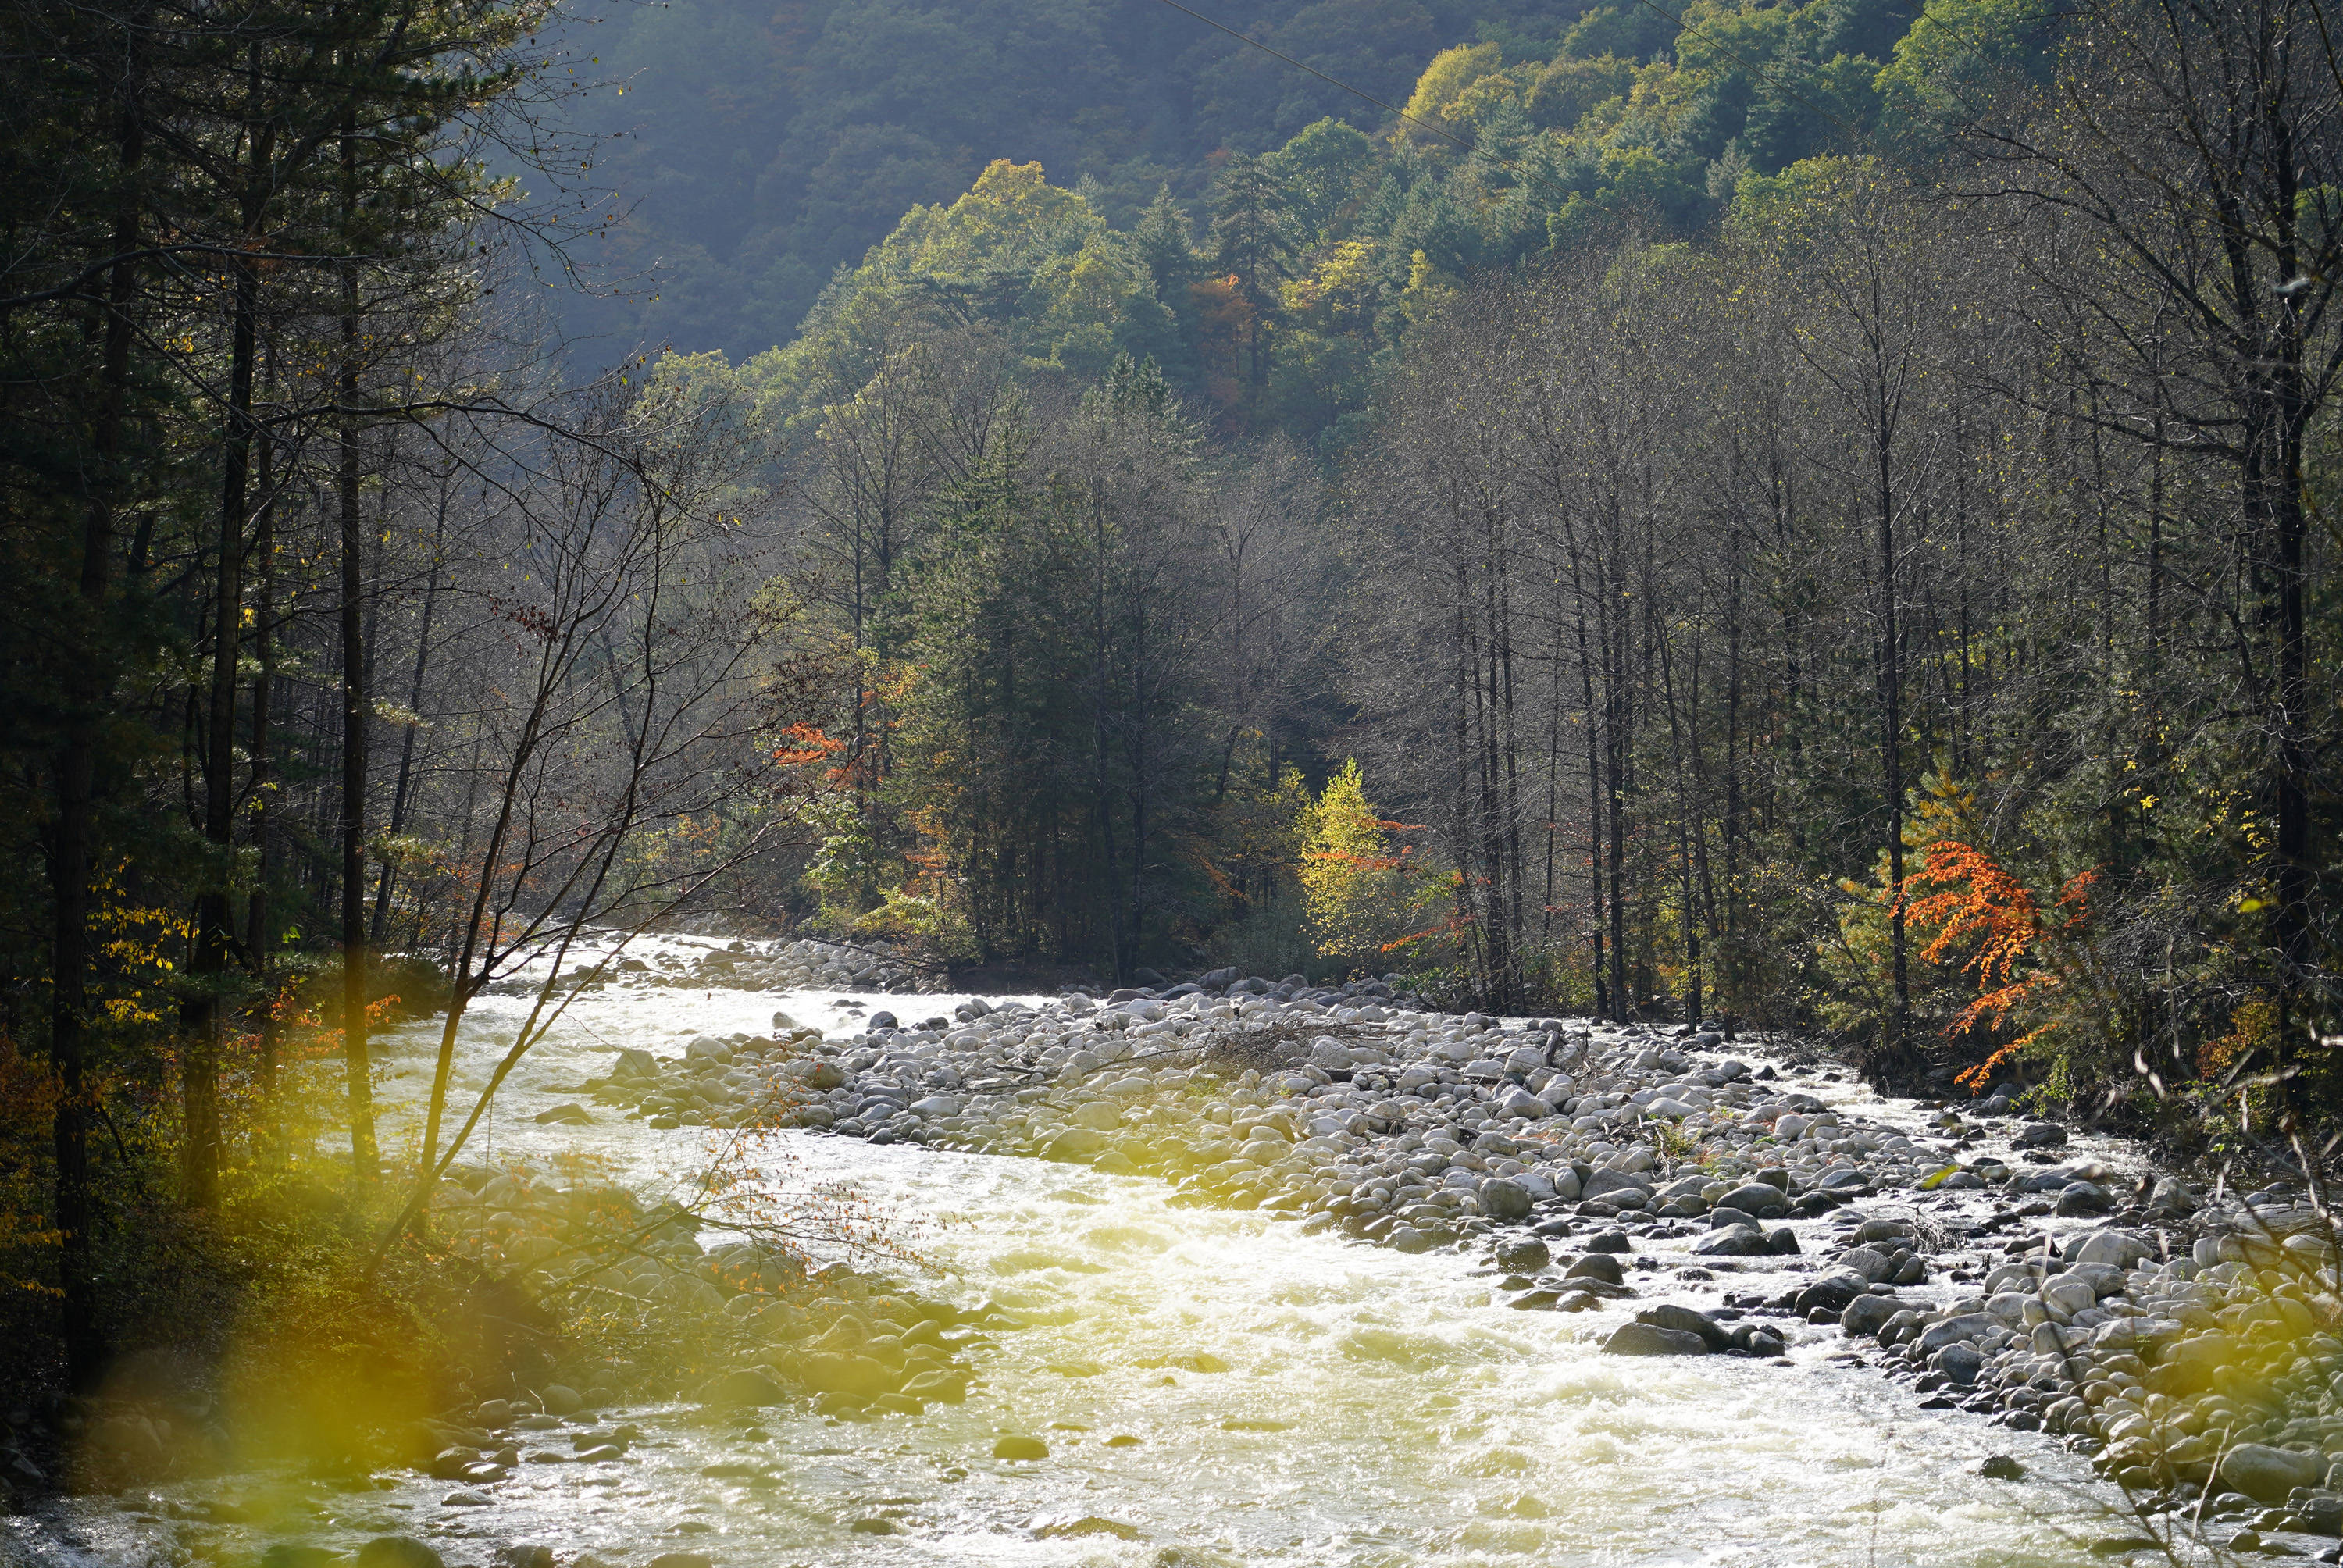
[1214, 1388]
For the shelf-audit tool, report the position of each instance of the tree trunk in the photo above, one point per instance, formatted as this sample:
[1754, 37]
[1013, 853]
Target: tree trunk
[358, 1081]
[200, 1015]
[71, 851]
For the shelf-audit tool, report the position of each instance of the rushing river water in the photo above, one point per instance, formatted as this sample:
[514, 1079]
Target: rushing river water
[1375, 1410]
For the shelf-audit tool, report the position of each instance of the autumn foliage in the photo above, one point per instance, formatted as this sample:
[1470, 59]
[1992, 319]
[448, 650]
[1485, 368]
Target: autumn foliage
[1967, 897]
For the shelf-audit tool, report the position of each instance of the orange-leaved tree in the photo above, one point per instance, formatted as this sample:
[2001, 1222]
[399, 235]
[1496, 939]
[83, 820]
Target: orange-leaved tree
[1970, 900]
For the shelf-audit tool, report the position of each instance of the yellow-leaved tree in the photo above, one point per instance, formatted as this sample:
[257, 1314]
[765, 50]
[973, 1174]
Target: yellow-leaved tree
[1356, 878]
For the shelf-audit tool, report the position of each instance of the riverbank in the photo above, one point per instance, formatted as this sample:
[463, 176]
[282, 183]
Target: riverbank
[1989, 1258]
[1198, 1363]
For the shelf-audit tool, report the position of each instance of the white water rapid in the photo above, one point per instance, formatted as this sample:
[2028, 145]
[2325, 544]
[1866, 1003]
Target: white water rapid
[1377, 1411]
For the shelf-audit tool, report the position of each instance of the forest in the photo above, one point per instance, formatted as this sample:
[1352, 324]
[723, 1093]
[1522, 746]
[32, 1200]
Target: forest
[1800, 517]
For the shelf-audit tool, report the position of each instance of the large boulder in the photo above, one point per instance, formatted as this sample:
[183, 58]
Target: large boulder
[1504, 1199]
[1731, 1241]
[860, 1376]
[397, 1552]
[1684, 1320]
[1834, 1292]
[1867, 1314]
[1600, 1266]
[1523, 1255]
[1641, 1339]
[1757, 1198]
[2114, 1249]
[747, 1386]
[2266, 1474]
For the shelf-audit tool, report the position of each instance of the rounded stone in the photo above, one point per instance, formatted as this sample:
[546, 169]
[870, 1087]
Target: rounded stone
[1649, 1340]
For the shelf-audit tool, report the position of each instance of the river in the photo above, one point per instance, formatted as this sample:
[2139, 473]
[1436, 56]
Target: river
[1376, 1411]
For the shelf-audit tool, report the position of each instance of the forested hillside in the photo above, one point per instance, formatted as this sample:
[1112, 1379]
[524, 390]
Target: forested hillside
[1706, 479]
[761, 146]
[1802, 515]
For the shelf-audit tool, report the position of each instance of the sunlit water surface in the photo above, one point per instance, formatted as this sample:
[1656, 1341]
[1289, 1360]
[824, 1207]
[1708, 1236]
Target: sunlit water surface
[1376, 1410]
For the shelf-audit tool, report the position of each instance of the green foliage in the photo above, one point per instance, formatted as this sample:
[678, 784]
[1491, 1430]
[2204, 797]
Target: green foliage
[773, 155]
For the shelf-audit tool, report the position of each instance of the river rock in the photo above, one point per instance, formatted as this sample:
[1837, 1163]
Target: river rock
[1076, 1143]
[1612, 1185]
[1020, 1448]
[1867, 1314]
[1684, 1320]
[1759, 1198]
[745, 1386]
[1600, 1266]
[1833, 1292]
[1960, 1364]
[1869, 1262]
[1641, 1339]
[2085, 1198]
[2268, 1473]
[1089, 1525]
[397, 1552]
[1523, 1255]
[1504, 1199]
[1731, 1241]
[857, 1376]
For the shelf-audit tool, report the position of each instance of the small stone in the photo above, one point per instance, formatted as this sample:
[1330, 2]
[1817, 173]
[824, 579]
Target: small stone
[2001, 1467]
[560, 1399]
[1020, 1448]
